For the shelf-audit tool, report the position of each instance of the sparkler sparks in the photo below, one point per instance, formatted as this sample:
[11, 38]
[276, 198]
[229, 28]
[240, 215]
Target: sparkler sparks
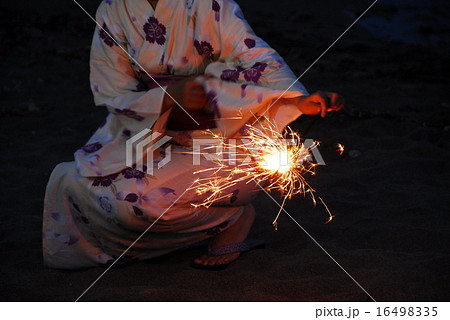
[263, 156]
[341, 149]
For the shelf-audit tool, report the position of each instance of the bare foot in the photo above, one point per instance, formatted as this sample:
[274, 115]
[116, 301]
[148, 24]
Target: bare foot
[236, 233]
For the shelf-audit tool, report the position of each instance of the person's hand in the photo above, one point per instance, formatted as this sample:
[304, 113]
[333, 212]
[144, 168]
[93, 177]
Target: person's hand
[320, 103]
[188, 92]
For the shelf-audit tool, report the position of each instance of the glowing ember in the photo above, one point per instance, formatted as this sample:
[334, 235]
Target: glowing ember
[340, 149]
[277, 161]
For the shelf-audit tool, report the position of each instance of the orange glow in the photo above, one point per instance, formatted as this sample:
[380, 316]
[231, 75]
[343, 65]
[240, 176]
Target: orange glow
[341, 149]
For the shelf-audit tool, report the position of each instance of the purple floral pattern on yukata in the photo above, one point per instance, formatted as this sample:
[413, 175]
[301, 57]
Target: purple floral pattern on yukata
[155, 31]
[129, 113]
[204, 47]
[166, 191]
[133, 173]
[189, 4]
[184, 60]
[92, 147]
[216, 9]
[233, 197]
[259, 97]
[57, 217]
[131, 197]
[105, 181]
[105, 204]
[250, 43]
[139, 197]
[255, 72]
[105, 36]
[231, 74]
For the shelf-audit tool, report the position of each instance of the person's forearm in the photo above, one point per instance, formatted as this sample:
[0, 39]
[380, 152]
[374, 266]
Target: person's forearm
[167, 103]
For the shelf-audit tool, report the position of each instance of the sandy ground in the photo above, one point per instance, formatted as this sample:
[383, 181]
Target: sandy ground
[389, 191]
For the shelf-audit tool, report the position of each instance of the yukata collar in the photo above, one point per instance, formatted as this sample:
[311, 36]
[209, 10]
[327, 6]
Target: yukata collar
[142, 9]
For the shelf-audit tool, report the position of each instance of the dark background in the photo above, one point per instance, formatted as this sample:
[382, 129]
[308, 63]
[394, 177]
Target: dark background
[389, 191]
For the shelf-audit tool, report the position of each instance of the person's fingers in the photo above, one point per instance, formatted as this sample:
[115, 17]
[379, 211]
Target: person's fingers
[323, 102]
[337, 101]
[333, 99]
[339, 107]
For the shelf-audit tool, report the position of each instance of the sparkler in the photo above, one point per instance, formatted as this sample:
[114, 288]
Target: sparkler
[275, 161]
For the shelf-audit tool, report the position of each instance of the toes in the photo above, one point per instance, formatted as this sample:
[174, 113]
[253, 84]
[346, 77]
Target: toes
[201, 259]
[212, 261]
[220, 260]
[227, 258]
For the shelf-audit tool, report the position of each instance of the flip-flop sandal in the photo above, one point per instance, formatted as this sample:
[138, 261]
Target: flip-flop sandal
[247, 245]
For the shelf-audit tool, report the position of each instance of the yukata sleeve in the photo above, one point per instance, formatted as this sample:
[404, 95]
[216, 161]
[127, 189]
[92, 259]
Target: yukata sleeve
[254, 81]
[114, 82]
[254, 60]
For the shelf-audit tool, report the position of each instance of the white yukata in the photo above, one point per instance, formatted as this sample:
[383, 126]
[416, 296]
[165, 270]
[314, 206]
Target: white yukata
[96, 206]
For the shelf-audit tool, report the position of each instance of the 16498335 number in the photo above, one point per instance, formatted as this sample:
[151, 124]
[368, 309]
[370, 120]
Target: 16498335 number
[407, 311]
